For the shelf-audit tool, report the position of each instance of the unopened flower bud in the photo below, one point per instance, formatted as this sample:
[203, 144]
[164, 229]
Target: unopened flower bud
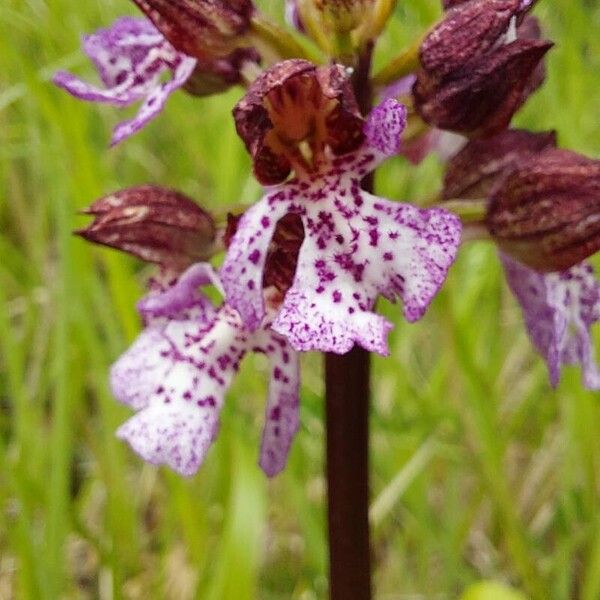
[340, 27]
[473, 171]
[156, 224]
[204, 29]
[466, 34]
[546, 211]
[479, 67]
[344, 15]
[293, 114]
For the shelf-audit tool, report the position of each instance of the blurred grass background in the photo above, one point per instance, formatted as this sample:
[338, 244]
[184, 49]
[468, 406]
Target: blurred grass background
[479, 469]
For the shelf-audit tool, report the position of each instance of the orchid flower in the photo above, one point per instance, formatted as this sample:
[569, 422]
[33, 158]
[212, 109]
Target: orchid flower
[131, 58]
[541, 207]
[177, 372]
[356, 245]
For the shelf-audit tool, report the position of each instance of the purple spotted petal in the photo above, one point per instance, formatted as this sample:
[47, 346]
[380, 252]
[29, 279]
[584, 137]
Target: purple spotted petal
[177, 372]
[242, 270]
[121, 50]
[155, 101]
[130, 58]
[186, 371]
[91, 93]
[355, 250]
[171, 316]
[136, 376]
[178, 434]
[281, 414]
[559, 310]
[384, 127]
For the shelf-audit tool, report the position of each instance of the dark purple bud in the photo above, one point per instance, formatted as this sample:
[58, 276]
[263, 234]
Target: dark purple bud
[217, 75]
[467, 34]
[546, 211]
[156, 224]
[480, 100]
[204, 29]
[477, 167]
[447, 4]
[478, 66]
[292, 113]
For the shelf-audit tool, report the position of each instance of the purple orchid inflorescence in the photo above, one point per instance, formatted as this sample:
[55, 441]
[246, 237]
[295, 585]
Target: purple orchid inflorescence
[305, 264]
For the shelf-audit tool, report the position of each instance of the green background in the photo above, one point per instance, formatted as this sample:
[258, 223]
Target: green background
[479, 469]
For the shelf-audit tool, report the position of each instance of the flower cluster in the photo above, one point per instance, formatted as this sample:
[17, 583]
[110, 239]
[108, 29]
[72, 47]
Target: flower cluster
[305, 264]
[540, 204]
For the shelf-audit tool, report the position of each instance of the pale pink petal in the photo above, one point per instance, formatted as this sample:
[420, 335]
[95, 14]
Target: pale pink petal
[242, 270]
[182, 295]
[281, 413]
[185, 375]
[559, 309]
[137, 375]
[130, 57]
[356, 247]
[178, 433]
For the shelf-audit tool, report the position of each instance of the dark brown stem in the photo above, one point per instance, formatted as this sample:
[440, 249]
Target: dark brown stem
[347, 408]
[347, 394]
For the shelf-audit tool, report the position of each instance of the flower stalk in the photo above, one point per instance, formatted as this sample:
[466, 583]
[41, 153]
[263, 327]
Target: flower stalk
[347, 392]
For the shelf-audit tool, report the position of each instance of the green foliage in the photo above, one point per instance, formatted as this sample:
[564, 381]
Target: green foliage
[479, 469]
[491, 590]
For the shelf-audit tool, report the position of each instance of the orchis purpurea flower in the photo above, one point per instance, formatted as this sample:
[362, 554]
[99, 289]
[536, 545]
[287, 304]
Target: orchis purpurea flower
[177, 372]
[478, 66]
[356, 245]
[130, 58]
[559, 309]
[544, 214]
